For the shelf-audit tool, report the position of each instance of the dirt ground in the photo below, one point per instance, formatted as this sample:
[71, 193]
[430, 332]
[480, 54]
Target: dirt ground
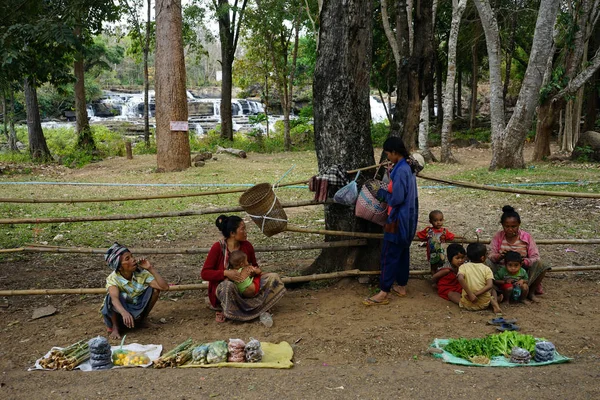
[341, 348]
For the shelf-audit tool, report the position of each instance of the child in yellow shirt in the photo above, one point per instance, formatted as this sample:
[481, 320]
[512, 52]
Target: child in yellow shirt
[477, 281]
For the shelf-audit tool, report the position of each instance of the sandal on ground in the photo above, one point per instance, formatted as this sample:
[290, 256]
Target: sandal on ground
[397, 293]
[372, 302]
[507, 327]
[219, 317]
[501, 320]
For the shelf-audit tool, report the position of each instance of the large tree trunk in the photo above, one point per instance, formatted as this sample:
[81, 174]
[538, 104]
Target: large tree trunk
[342, 117]
[38, 149]
[147, 79]
[85, 139]
[474, 79]
[424, 132]
[402, 69]
[545, 123]
[458, 7]
[439, 91]
[420, 69]
[458, 112]
[509, 54]
[492, 40]
[12, 133]
[508, 152]
[591, 105]
[173, 147]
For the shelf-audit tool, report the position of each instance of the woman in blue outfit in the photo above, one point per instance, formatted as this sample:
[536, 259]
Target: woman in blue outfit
[401, 225]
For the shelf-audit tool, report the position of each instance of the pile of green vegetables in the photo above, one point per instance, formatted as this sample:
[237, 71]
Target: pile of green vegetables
[491, 346]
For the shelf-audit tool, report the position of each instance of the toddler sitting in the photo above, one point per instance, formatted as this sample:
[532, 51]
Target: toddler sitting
[476, 279]
[512, 279]
[249, 282]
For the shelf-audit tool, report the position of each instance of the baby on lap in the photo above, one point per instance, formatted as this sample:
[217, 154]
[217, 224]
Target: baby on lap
[249, 282]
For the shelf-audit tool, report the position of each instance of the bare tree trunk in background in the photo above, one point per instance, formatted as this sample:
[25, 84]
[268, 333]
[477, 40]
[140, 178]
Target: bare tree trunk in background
[439, 90]
[424, 133]
[173, 147]
[342, 118]
[38, 149]
[560, 129]
[229, 32]
[474, 79]
[85, 139]
[12, 133]
[509, 54]
[459, 94]
[492, 40]
[147, 79]
[508, 152]
[545, 117]
[458, 7]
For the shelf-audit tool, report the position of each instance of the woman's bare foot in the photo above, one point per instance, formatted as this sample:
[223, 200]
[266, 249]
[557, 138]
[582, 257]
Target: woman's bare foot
[381, 296]
[114, 334]
[219, 317]
[399, 290]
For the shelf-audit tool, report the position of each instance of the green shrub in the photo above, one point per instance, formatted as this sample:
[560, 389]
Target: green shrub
[479, 134]
[583, 154]
[379, 132]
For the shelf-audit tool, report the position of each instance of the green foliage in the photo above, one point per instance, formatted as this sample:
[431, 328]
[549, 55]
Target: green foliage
[558, 81]
[306, 112]
[490, 346]
[584, 154]
[479, 134]
[379, 132]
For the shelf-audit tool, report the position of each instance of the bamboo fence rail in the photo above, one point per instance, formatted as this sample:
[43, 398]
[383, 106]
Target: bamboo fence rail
[170, 214]
[33, 248]
[511, 190]
[294, 279]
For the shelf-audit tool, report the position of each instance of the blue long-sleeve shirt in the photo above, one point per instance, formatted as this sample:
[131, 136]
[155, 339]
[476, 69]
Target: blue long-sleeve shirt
[404, 204]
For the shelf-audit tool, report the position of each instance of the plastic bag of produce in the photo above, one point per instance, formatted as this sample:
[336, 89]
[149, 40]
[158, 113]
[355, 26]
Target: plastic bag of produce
[253, 350]
[217, 352]
[199, 354]
[236, 350]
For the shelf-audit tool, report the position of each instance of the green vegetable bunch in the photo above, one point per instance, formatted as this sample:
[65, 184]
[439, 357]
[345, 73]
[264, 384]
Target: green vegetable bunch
[490, 346]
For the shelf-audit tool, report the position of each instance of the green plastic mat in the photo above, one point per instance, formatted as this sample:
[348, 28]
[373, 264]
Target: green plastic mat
[499, 361]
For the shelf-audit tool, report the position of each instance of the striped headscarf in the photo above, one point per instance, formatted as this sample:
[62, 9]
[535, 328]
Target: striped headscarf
[113, 255]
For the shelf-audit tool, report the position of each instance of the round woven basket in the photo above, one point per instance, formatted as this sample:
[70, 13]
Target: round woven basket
[259, 202]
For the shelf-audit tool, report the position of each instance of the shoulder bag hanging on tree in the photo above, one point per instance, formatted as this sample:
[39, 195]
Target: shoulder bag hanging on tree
[348, 194]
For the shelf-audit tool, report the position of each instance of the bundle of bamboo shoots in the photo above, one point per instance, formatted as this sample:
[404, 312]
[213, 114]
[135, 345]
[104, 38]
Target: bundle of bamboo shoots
[67, 358]
[176, 355]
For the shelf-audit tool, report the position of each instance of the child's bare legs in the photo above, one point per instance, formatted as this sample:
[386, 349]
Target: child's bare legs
[507, 295]
[454, 297]
[494, 303]
[524, 294]
[250, 291]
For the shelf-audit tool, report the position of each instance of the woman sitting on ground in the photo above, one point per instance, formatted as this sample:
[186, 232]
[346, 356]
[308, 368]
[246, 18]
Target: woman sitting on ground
[224, 296]
[512, 238]
[133, 289]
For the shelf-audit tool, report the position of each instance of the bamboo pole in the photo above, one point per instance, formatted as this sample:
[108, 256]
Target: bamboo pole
[215, 210]
[366, 235]
[294, 279]
[259, 249]
[135, 198]
[511, 190]
[164, 196]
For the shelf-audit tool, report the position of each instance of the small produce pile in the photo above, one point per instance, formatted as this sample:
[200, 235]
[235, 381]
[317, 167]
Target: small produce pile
[481, 351]
[128, 358]
[211, 353]
[67, 358]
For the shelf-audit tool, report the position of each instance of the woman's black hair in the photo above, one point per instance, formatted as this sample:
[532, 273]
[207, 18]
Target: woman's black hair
[509, 212]
[396, 144]
[453, 250]
[227, 225]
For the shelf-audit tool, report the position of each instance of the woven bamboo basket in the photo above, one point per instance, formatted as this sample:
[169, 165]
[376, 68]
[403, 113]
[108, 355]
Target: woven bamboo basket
[264, 208]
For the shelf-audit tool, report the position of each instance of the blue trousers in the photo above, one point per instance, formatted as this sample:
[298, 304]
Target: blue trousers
[395, 261]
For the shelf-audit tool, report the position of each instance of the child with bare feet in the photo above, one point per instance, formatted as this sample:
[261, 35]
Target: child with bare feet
[250, 274]
[512, 279]
[133, 289]
[435, 235]
[445, 278]
[477, 279]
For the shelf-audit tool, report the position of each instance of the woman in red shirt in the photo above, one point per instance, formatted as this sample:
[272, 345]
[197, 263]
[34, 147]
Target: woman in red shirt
[223, 294]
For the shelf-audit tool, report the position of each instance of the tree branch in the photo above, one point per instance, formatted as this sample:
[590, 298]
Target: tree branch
[389, 34]
[576, 83]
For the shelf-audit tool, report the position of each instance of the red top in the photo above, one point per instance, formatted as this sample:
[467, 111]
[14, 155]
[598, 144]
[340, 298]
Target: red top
[216, 264]
[443, 234]
[448, 283]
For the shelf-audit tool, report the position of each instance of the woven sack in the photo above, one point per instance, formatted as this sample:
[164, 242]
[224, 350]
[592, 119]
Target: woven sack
[367, 205]
[348, 194]
[265, 210]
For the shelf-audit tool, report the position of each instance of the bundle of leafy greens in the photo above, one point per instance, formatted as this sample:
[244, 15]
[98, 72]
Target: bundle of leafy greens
[490, 346]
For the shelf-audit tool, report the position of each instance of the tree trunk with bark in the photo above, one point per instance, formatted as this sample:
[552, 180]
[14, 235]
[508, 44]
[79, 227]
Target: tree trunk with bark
[147, 79]
[508, 152]
[474, 79]
[492, 40]
[509, 54]
[591, 105]
[12, 133]
[545, 122]
[439, 90]
[173, 147]
[424, 133]
[38, 149]
[342, 118]
[458, 8]
[459, 94]
[85, 139]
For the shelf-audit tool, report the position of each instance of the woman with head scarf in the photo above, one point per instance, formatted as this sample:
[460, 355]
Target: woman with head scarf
[132, 290]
